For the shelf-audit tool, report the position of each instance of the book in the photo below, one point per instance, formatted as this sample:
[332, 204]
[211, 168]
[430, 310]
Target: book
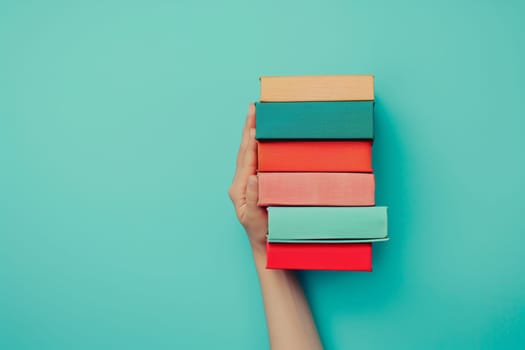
[327, 222]
[317, 88]
[317, 156]
[324, 241]
[344, 256]
[317, 189]
[315, 120]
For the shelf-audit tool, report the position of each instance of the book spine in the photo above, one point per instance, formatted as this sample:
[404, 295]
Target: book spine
[324, 189]
[315, 120]
[317, 88]
[327, 256]
[327, 222]
[315, 156]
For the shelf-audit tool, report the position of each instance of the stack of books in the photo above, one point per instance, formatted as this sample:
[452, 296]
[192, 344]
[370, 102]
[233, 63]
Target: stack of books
[315, 136]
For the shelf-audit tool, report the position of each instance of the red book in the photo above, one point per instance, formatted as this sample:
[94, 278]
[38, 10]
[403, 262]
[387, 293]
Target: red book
[319, 256]
[319, 189]
[320, 156]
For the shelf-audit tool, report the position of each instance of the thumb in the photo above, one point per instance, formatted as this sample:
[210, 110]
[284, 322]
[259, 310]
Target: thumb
[252, 192]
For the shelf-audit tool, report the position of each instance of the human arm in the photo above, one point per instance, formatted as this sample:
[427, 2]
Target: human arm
[288, 316]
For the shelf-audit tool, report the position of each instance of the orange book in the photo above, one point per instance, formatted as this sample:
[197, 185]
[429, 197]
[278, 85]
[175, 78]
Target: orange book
[317, 88]
[316, 189]
[318, 156]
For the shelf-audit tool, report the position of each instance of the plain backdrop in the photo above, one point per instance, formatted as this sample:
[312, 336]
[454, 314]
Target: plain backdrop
[119, 126]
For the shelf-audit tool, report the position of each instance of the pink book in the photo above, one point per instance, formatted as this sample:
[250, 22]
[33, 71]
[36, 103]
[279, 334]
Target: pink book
[319, 189]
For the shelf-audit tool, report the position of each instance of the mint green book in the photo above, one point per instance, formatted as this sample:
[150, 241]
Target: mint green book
[315, 120]
[291, 223]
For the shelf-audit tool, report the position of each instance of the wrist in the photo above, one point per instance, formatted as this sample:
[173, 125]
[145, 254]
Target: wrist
[258, 246]
[259, 252]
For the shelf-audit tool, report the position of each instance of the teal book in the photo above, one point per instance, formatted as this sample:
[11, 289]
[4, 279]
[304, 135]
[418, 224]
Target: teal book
[290, 223]
[315, 120]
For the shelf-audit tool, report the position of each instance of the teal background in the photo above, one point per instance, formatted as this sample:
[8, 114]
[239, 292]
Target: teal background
[119, 125]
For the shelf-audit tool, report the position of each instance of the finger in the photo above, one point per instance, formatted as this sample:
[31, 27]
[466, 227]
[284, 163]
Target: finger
[252, 192]
[247, 167]
[238, 187]
[251, 116]
[250, 123]
[248, 164]
[244, 141]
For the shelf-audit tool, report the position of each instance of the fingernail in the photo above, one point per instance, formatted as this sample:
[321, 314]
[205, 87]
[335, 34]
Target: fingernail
[252, 133]
[251, 108]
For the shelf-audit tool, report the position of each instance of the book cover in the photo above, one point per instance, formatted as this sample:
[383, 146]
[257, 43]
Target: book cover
[316, 189]
[315, 156]
[317, 88]
[343, 256]
[327, 222]
[325, 241]
[315, 120]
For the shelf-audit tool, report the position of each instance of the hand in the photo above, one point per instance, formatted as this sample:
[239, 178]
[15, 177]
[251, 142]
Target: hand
[244, 188]
[288, 316]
